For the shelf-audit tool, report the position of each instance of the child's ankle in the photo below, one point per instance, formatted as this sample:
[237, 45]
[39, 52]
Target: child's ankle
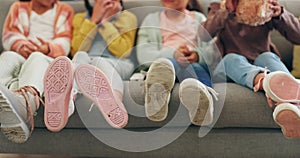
[257, 83]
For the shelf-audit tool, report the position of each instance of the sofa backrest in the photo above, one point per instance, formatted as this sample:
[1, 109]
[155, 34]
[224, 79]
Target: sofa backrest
[133, 5]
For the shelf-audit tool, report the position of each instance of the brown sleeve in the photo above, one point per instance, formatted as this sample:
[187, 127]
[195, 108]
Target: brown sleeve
[288, 25]
[216, 18]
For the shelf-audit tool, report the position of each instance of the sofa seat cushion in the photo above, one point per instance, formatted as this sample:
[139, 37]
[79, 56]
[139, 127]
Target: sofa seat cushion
[237, 106]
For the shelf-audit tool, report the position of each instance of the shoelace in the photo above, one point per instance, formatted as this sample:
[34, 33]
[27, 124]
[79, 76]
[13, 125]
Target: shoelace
[37, 100]
[213, 92]
[91, 107]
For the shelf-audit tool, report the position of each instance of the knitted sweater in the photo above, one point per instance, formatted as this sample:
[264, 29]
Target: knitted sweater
[118, 34]
[246, 40]
[150, 45]
[17, 26]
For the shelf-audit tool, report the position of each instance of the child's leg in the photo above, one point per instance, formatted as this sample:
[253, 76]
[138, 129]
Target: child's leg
[275, 83]
[33, 70]
[10, 66]
[81, 57]
[124, 67]
[202, 74]
[24, 101]
[271, 61]
[193, 92]
[194, 70]
[110, 71]
[282, 88]
[239, 69]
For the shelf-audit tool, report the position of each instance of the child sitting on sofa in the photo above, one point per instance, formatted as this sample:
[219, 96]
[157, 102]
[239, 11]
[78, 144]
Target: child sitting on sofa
[35, 32]
[251, 60]
[102, 41]
[168, 40]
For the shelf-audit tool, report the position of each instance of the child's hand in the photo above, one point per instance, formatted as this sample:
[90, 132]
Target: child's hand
[231, 5]
[180, 56]
[26, 49]
[275, 6]
[43, 47]
[101, 7]
[184, 56]
[114, 8]
[193, 57]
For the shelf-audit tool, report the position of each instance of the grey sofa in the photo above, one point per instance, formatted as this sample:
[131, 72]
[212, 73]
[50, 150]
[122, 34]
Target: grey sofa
[243, 124]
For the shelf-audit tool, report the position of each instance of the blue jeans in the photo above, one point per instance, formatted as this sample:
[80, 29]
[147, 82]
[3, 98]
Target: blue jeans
[194, 70]
[238, 68]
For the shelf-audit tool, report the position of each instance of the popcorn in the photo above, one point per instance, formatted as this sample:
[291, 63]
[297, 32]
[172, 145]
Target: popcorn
[253, 12]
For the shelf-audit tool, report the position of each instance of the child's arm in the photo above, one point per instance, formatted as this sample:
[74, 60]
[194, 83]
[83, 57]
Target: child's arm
[13, 36]
[184, 56]
[120, 36]
[216, 18]
[288, 26]
[149, 43]
[84, 32]
[60, 45]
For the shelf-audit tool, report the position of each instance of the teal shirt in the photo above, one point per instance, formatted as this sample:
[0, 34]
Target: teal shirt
[149, 41]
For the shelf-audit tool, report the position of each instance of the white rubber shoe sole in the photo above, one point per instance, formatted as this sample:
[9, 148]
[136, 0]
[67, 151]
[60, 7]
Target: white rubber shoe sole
[13, 117]
[282, 87]
[287, 116]
[196, 98]
[58, 83]
[158, 85]
[94, 84]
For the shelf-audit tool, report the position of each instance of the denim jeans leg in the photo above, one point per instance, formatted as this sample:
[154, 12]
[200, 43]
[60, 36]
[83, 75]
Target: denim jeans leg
[271, 61]
[176, 67]
[202, 73]
[240, 70]
[194, 70]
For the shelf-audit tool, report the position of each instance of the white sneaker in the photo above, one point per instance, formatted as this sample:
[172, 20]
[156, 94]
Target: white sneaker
[16, 113]
[195, 96]
[287, 116]
[158, 85]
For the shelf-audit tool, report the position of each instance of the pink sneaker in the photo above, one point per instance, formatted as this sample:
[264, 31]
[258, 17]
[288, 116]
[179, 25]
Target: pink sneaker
[282, 87]
[287, 116]
[94, 84]
[58, 83]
